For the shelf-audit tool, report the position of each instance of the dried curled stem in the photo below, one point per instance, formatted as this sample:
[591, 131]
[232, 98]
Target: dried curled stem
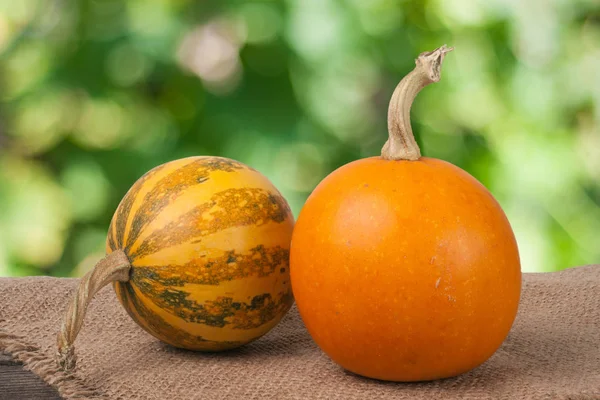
[401, 144]
[112, 268]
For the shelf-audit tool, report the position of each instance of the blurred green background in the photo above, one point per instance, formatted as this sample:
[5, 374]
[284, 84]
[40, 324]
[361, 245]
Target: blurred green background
[93, 93]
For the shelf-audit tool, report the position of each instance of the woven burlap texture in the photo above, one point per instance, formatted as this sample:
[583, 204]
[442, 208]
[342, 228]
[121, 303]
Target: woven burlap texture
[552, 352]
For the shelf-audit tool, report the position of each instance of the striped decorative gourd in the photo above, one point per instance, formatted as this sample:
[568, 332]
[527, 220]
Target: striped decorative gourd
[203, 244]
[208, 240]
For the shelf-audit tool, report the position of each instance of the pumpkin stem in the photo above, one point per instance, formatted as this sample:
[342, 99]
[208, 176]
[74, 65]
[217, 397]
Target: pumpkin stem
[401, 144]
[114, 267]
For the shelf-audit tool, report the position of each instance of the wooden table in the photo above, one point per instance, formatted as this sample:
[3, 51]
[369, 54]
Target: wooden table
[19, 384]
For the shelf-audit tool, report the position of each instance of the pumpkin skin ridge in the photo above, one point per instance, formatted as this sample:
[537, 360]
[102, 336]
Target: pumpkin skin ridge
[160, 329]
[206, 194]
[241, 240]
[110, 240]
[274, 258]
[156, 283]
[135, 304]
[174, 301]
[197, 171]
[264, 209]
[188, 226]
[122, 216]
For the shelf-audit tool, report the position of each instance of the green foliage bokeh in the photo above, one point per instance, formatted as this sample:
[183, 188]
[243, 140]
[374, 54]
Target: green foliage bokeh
[93, 93]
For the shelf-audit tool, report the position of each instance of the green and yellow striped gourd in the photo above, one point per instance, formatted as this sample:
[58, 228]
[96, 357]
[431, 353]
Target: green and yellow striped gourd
[198, 252]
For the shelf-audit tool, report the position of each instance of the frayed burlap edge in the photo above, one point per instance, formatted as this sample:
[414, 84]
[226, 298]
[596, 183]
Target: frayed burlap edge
[68, 384]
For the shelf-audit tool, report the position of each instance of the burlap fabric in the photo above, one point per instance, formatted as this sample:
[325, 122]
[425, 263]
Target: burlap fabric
[553, 352]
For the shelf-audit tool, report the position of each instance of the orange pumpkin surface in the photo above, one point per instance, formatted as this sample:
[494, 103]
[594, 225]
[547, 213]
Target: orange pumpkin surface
[405, 269]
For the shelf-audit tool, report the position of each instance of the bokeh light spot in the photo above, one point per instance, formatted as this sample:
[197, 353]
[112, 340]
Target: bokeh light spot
[262, 22]
[87, 188]
[300, 166]
[126, 65]
[212, 52]
[25, 67]
[102, 124]
[35, 214]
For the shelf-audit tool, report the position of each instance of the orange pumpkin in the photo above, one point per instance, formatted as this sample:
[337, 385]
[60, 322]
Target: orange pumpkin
[198, 252]
[403, 267]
